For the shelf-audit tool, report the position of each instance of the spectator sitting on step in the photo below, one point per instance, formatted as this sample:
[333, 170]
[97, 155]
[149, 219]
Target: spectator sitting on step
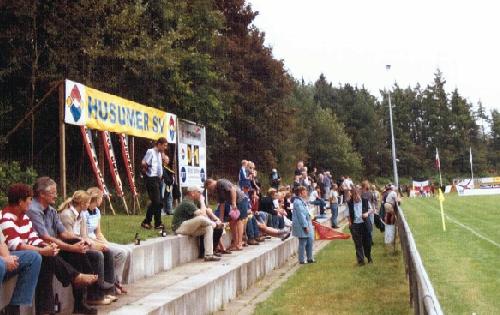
[316, 200]
[24, 263]
[50, 229]
[119, 253]
[20, 235]
[100, 258]
[192, 220]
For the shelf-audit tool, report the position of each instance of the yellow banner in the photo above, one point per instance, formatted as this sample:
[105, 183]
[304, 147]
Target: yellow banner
[102, 111]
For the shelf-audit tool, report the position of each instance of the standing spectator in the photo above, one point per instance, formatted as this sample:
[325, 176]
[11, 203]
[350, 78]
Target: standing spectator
[302, 226]
[366, 197]
[359, 228]
[392, 199]
[327, 184]
[255, 183]
[244, 175]
[152, 169]
[334, 205]
[50, 229]
[191, 220]
[229, 194]
[274, 179]
[288, 204]
[315, 176]
[168, 180]
[299, 169]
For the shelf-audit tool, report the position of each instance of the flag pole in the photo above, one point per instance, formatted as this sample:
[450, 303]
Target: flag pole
[471, 170]
[438, 164]
[441, 199]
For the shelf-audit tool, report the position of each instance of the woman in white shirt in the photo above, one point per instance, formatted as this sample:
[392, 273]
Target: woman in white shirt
[93, 223]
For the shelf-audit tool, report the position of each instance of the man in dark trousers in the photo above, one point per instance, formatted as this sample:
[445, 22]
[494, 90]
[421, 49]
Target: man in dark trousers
[152, 169]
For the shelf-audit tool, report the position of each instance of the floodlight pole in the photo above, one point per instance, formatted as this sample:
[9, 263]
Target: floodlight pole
[393, 142]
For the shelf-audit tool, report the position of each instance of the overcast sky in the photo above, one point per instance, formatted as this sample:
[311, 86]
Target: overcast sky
[352, 41]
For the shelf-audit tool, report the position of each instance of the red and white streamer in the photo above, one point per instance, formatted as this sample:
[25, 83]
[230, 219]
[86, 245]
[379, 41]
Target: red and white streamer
[90, 148]
[128, 164]
[113, 167]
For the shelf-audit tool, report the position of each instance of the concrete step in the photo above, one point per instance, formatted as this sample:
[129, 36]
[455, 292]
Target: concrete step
[203, 287]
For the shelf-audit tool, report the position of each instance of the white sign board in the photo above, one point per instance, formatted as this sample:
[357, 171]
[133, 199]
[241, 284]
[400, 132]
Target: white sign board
[192, 151]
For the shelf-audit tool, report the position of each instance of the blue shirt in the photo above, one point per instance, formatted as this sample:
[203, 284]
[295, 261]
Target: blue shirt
[46, 222]
[154, 162]
[92, 217]
[243, 178]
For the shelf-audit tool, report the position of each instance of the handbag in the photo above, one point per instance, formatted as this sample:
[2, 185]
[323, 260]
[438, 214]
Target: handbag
[234, 214]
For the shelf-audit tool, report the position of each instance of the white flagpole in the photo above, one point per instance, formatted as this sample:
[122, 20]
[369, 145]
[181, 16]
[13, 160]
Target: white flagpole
[471, 170]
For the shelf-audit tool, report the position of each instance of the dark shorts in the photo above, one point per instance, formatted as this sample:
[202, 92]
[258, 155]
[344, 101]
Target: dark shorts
[243, 206]
[227, 208]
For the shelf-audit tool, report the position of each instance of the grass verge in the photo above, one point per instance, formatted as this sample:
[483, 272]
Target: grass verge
[336, 285]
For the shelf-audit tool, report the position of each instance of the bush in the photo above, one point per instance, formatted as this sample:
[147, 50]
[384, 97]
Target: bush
[10, 173]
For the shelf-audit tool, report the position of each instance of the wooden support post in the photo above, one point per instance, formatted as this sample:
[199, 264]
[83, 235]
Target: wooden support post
[62, 141]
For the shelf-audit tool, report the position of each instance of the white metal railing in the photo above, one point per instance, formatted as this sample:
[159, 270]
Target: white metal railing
[422, 294]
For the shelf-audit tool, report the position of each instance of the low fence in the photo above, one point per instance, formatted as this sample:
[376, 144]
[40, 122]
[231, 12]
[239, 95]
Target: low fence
[422, 295]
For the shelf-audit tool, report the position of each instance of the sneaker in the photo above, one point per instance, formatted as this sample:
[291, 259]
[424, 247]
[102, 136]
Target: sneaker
[253, 242]
[159, 227]
[217, 254]
[311, 261]
[104, 301]
[146, 226]
[111, 297]
[370, 261]
[211, 258]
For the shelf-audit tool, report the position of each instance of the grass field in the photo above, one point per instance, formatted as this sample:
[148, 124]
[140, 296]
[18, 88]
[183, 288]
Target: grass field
[336, 285]
[121, 229]
[463, 263]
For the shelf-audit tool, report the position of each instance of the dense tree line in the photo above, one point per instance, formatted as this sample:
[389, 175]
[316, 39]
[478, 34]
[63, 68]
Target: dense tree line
[205, 61]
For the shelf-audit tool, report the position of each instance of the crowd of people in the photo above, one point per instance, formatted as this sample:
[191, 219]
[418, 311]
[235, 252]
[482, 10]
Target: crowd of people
[38, 242]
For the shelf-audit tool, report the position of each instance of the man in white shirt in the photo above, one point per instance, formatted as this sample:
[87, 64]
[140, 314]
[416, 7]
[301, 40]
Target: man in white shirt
[153, 170]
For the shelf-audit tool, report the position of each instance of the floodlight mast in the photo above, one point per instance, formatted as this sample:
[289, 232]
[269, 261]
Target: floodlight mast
[393, 142]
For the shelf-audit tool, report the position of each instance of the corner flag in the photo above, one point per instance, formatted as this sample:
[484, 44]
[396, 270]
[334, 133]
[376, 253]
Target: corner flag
[441, 200]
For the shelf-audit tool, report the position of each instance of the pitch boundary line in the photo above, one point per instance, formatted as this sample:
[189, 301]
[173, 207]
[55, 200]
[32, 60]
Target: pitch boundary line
[472, 230]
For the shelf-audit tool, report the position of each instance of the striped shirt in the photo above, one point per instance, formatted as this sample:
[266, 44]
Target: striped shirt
[17, 230]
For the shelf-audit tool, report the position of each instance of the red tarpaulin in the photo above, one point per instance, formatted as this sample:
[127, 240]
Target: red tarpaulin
[327, 233]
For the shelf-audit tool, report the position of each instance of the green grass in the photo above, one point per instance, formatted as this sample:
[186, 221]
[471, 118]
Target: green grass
[336, 285]
[464, 269]
[121, 229]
